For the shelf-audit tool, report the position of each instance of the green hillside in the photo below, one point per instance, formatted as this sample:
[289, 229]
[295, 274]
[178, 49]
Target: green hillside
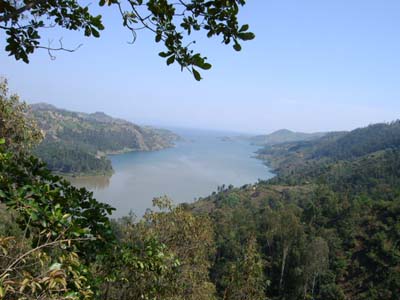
[77, 142]
[283, 136]
[333, 147]
[326, 226]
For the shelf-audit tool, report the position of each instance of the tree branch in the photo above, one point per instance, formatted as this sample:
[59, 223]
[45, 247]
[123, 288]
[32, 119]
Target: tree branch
[15, 262]
[17, 12]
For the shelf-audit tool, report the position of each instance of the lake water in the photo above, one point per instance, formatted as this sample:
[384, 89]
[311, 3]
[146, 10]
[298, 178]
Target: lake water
[194, 168]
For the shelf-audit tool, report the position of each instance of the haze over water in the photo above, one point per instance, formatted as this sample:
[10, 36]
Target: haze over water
[192, 169]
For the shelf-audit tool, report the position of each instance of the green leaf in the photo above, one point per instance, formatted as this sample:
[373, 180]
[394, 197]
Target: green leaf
[87, 31]
[55, 266]
[246, 36]
[95, 33]
[205, 66]
[245, 27]
[170, 60]
[237, 47]
[164, 54]
[196, 74]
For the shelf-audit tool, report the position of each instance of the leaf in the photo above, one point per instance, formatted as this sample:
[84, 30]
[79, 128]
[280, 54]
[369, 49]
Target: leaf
[246, 36]
[170, 60]
[245, 27]
[237, 47]
[196, 74]
[95, 33]
[206, 66]
[87, 31]
[55, 266]
[164, 54]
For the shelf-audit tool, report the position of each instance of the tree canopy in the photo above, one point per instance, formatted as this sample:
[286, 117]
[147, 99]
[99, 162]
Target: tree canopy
[171, 23]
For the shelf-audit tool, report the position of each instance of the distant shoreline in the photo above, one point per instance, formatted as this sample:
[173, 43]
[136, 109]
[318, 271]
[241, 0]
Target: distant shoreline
[84, 174]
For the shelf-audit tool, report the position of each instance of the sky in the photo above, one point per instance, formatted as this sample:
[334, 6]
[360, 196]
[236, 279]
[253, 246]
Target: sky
[314, 66]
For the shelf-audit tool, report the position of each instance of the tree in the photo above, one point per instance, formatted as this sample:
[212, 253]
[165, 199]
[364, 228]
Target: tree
[315, 264]
[247, 276]
[171, 22]
[62, 229]
[49, 270]
[19, 131]
[190, 238]
[164, 255]
[285, 229]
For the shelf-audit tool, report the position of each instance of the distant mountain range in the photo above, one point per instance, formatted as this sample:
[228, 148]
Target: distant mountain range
[283, 136]
[77, 142]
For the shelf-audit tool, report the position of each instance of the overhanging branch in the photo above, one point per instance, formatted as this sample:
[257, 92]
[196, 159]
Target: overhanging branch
[19, 11]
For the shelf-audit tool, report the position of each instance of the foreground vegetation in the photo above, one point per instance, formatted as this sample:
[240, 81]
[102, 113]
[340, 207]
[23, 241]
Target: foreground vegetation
[327, 227]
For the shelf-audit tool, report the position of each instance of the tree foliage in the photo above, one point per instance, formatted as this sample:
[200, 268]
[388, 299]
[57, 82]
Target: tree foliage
[165, 255]
[17, 127]
[61, 229]
[247, 280]
[171, 23]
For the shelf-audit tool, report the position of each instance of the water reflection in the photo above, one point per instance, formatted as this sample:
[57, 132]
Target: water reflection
[91, 182]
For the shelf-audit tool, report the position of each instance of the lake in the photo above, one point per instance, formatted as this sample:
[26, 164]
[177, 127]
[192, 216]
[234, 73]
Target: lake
[194, 168]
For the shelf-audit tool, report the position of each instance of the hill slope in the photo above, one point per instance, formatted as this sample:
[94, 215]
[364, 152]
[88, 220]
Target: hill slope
[77, 142]
[283, 136]
[333, 147]
[326, 227]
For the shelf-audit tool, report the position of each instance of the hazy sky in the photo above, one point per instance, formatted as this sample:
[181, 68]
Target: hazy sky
[314, 66]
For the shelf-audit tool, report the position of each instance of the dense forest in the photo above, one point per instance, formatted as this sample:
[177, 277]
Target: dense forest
[326, 227]
[77, 143]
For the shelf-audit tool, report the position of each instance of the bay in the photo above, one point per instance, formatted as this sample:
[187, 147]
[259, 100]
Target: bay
[194, 168]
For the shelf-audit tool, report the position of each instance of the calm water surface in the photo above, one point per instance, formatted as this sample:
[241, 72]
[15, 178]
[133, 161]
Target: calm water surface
[192, 169]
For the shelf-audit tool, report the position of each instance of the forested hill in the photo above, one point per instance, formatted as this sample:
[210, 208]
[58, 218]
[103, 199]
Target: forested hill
[371, 141]
[362, 141]
[326, 227]
[77, 142]
[283, 136]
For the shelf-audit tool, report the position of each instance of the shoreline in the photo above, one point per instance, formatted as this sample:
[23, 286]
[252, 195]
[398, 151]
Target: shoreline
[86, 174]
[105, 154]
